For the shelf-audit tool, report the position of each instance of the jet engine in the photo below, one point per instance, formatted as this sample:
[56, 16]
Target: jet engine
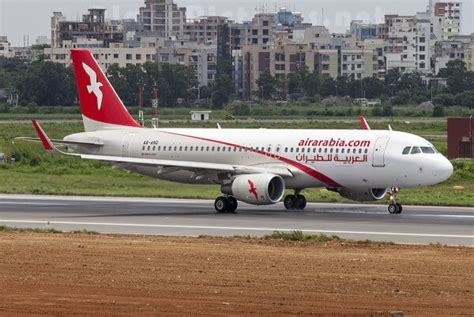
[256, 189]
[369, 194]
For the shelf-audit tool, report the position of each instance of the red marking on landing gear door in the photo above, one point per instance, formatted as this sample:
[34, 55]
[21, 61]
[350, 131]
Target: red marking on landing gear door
[253, 189]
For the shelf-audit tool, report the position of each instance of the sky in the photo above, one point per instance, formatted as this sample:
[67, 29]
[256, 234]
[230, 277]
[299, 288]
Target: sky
[32, 17]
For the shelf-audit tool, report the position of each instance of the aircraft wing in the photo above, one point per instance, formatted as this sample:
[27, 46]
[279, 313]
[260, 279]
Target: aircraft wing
[61, 142]
[49, 145]
[192, 166]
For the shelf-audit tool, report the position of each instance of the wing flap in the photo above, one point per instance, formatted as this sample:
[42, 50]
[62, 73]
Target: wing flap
[61, 142]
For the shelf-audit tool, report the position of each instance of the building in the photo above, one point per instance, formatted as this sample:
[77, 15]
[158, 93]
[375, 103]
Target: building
[204, 29]
[363, 30]
[460, 138]
[408, 43]
[93, 26]
[5, 50]
[201, 57]
[163, 18]
[446, 51]
[469, 56]
[285, 57]
[200, 115]
[446, 18]
[106, 56]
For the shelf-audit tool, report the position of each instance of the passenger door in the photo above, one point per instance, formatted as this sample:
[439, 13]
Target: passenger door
[379, 152]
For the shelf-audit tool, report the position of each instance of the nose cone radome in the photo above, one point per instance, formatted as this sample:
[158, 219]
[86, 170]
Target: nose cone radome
[444, 170]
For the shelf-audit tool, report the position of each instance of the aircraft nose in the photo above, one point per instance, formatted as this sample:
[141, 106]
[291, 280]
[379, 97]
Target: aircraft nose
[444, 169]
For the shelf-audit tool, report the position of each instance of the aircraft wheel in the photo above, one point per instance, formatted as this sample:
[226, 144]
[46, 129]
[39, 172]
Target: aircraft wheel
[290, 202]
[221, 204]
[233, 204]
[300, 202]
[399, 208]
[393, 209]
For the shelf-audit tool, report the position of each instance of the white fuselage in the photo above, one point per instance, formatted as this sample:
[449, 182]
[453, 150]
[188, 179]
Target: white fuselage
[316, 158]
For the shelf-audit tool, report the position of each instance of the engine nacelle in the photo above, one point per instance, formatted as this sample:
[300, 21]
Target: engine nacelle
[256, 189]
[369, 194]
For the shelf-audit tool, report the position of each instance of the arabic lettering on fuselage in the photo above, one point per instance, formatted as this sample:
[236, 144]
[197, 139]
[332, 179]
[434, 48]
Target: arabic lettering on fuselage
[339, 158]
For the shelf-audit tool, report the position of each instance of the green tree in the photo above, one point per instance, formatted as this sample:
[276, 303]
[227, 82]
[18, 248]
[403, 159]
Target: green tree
[456, 75]
[267, 85]
[221, 91]
[438, 111]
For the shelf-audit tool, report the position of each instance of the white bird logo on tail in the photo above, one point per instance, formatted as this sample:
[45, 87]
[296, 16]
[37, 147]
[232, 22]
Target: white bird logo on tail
[95, 85]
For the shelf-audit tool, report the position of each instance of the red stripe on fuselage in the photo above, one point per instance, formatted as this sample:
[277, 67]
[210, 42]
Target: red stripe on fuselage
[304, 168]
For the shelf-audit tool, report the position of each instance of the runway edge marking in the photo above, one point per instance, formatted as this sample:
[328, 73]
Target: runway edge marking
[104, 224]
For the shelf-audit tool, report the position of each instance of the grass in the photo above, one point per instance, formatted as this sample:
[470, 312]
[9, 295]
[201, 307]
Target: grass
[37, 172]
[28, 230]
[7, 229]
[300, 236]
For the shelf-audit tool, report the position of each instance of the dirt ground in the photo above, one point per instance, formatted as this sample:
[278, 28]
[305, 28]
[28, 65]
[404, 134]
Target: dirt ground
[79, 274]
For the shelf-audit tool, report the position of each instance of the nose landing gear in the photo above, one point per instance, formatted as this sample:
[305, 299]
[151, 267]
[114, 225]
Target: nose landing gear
[394, 207]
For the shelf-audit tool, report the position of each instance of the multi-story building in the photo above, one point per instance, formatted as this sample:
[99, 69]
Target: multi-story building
[378, 47]
[162, 17]
[446, 51]
[204, 29]
[446, 18]
[92, 26]
[4, 47]
[285, 57]
[116, 53]
[362, 30]
[469, 56]
[201, 57]
[408, 43]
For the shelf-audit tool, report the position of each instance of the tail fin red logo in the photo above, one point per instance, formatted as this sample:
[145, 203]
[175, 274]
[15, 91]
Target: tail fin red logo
[253, 189]
[101, 107]
[95, 85]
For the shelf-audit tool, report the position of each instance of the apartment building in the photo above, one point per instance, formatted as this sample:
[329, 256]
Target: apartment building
[407, 43]
[446, 51]
[363, 30]
[469, 56]
[446, 18]
[162, 17]
[285, 57]
[92, 26]
[4, 47]
[201, 57]
[204, 29]
[116, 53]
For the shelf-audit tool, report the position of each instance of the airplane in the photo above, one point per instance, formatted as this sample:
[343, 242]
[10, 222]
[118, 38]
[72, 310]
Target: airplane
[254, 166]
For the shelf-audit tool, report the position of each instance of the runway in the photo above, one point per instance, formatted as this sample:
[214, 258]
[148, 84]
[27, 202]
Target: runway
[417, 224]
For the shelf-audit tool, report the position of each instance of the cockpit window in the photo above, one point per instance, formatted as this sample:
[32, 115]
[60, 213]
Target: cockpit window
[406, 150]
[428, 150]
[415, 150]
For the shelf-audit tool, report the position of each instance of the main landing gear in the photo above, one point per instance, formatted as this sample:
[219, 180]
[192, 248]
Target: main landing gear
[226, 204]
[295, 202]
[394, 207]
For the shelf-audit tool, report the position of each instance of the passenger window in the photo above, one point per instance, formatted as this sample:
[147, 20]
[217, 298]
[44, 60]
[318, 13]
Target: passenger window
[149, 147]
[320, 150]
[415, 150]
[297, 150]
[213, 148]
[427, 150]
[366, 151]
[314, 150]
[144, 147]
[337, 151]
[185, 149]
[291, 150]
[342, 151]
[159, 148]
[360, 151]
[406, 150]
[325, 150]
